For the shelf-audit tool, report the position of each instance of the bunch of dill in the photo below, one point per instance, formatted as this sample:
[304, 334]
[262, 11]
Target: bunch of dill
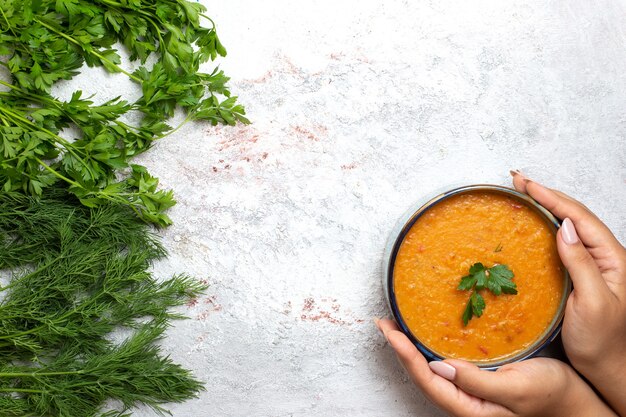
[76, 276]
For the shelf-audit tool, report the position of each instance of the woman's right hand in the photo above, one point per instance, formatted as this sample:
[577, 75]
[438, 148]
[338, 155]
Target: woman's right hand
[594, 327]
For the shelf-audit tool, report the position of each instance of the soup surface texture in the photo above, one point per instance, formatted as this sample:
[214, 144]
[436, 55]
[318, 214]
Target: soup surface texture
[438, 250]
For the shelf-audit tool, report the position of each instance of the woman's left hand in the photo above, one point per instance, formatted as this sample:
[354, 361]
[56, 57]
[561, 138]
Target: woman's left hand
[535, 387]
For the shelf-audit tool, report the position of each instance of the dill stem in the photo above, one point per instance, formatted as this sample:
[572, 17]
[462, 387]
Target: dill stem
[25, 390]
[15, 281]
[36, 374]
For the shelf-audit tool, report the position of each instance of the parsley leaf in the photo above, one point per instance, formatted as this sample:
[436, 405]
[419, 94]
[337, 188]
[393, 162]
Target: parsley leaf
[500, 280]
[467, 283]
[496, 279]
[467, 314]
[478, 304]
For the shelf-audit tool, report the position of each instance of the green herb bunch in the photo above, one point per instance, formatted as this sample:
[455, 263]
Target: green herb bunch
[497, 279]
[44, 41]
[77, 276]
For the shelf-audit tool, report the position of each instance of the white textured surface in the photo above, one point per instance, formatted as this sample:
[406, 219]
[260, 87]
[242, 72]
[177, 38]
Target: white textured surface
[359, 109]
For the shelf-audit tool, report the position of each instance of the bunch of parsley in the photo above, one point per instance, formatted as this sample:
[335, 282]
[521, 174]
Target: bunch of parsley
[43, 41]
[76, 242]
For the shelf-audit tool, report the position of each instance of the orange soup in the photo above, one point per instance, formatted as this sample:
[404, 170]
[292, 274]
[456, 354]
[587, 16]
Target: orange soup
[451, 236]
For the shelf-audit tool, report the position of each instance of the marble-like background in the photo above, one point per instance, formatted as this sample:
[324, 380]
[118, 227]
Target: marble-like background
[360, 108]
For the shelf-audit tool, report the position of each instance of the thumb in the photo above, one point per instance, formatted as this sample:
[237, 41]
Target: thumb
[583, 270]
[488, 385]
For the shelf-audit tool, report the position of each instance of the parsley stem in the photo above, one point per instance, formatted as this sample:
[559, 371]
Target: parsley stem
[66, 145]
[91, 51]
[47, 167]
[184, 122]
[209, 19]
[28, 51]
[9, 85]
[22, 119]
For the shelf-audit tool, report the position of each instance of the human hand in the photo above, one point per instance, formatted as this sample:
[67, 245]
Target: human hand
[535, 387]
[594, 326]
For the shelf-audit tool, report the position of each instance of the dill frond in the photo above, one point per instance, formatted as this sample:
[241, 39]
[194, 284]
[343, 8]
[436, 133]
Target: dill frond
[76, 276]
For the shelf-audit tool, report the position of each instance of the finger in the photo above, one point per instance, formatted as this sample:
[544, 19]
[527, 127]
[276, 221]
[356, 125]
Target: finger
[592, 232]
[519, 181]
[491, 386]
[384, 325]
[439, 390]
[409, 356]
[583, 269]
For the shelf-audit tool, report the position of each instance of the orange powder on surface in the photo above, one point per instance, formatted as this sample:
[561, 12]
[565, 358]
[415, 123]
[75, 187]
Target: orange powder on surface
[439, 249]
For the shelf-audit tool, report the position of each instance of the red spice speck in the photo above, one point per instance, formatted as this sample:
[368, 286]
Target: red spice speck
[308, 304]
[287, 308]
[316, 311]
[306, 133]
[483, 349]
[192, 302]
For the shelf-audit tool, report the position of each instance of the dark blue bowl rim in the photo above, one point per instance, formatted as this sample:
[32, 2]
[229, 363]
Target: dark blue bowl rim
[428, 354]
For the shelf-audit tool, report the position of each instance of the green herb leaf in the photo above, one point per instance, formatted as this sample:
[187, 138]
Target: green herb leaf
[500, 280]
[478, 304]
[497, 279]
[467, 313]
[467, 283]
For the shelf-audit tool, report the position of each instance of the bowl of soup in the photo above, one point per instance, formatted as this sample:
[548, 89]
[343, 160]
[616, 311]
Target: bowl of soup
[439, 242]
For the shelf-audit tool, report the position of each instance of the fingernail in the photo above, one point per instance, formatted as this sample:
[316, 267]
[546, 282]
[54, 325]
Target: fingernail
[517, 172]
[568, 232]
[443, 370]
[377, 323]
